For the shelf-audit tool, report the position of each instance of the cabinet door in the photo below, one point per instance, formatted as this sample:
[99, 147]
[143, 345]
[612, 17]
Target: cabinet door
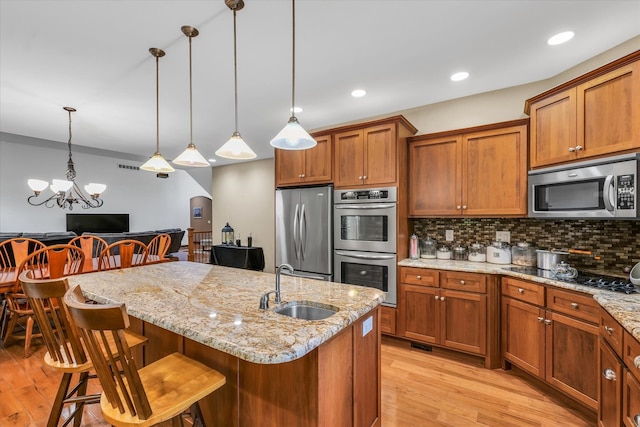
[494, 166]
[630, 400]
[388, 320]
[523, 335]
[610, 388]
[419, 308]
[349, 160]
[289, 167]
[435, 177]
[380, 155]
[553, 129]
[463, 319]
[318, 162]
[572, 357]
[609, 112]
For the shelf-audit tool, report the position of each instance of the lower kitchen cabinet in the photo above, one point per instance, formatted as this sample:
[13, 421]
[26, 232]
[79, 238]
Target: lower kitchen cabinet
[558, 348]
[387, 320]
[449, 309]
[619, 379]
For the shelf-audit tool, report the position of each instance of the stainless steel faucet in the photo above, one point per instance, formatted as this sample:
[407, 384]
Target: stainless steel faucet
[264, 299]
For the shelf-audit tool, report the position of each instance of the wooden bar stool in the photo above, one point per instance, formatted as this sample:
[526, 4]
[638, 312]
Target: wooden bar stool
[92, 246]
[157, 392]
[157, 249]
[123, 254]
[65, 350]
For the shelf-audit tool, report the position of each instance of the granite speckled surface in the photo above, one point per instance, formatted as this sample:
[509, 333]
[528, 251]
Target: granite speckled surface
[219, 306]
[624, 308]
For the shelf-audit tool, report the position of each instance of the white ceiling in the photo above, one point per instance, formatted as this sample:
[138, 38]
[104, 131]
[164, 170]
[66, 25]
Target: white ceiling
[93, 55]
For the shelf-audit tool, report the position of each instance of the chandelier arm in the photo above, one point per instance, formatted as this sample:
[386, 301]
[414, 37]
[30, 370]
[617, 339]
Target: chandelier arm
[44, 202]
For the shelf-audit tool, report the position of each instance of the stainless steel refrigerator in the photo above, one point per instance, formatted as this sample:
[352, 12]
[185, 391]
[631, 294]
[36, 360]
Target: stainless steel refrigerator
[304, 230]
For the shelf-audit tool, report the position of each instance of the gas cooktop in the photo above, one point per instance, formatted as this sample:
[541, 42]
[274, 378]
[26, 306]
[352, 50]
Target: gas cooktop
[607, 283]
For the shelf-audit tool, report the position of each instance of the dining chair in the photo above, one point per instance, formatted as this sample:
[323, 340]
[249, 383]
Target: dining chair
[65, 350]
[157, 249]
[135, 396]
[50, 262]
[123, 254]
[92, 246]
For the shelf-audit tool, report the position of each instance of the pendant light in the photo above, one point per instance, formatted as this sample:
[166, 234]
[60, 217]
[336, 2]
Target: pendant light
[191, 156]
[157, 163]
[235, 148]
[293, 136]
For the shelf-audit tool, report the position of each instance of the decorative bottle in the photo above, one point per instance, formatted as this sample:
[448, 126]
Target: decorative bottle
[414, 251]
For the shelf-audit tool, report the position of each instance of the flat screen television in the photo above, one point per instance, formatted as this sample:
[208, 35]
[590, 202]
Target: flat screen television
[97, 223]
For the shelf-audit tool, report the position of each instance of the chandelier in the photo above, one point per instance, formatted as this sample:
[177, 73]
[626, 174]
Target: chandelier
[67, 193]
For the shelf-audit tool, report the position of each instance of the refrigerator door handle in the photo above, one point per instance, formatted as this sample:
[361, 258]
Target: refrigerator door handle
[295, 231]
[303, 231]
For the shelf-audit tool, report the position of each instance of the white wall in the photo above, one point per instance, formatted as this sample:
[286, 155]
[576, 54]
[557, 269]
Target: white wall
[151, 203]
[243, 195]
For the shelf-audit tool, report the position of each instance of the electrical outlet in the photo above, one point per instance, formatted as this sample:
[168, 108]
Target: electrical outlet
[503, 236]
[449, 235]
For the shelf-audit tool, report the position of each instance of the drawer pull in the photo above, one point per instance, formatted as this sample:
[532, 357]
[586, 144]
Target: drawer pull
[520, 291]
[547, 321]
[540, 319]
[419, 277]
[636, 362]
[572, 149]
[609, 374]
[462, 282]
[574, 305]
[608, 330]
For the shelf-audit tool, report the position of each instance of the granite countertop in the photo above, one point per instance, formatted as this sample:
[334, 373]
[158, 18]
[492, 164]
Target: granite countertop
[218, 306]
[624, 308]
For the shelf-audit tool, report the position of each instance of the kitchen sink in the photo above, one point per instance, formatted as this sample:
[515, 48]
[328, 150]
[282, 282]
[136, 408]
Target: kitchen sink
[306, 310]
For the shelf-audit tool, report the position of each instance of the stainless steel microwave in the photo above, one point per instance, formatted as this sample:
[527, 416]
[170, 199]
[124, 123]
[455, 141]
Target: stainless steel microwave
[600, 188]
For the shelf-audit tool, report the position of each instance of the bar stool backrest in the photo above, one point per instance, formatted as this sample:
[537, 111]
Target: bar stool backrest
[157, 248]
[123, 254]
[92, 246]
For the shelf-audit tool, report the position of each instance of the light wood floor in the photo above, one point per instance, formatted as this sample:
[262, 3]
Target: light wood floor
[419, 388]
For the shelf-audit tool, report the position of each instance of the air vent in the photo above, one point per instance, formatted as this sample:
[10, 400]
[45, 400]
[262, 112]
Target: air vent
[162, 175]
[133, 168]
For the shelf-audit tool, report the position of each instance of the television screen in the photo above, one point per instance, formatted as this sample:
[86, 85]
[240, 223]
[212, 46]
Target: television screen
[98, 223]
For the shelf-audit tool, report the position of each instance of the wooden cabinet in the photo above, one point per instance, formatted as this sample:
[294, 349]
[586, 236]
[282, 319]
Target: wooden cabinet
[448, 309]
[478, 171]
[388, 320]
[300, 167]
[619, 379]
[556, 340]
[594, 115]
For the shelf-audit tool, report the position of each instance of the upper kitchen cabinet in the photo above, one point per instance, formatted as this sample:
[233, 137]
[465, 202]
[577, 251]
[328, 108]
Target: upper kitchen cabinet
[301, 167]
[371, 154]
[594, 115]
[479, 171]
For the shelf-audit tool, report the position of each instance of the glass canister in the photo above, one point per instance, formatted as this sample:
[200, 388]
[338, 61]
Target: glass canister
[459, 253]
[524, 254]
[428, 248]
[443, 252]
[414, 251]
[477, 252]
[499, 253]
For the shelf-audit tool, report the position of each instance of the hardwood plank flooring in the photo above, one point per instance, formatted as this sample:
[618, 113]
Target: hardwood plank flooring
[419, 388]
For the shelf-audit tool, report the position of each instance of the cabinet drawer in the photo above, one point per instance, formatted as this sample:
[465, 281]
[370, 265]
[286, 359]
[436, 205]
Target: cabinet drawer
[419, 276]
[611, 331]
[631, 354]
[582, 306]
[471, 282]
[388, 320]
[523, 291]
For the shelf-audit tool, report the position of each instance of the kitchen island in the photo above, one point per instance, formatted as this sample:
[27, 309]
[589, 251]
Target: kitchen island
[279, 370]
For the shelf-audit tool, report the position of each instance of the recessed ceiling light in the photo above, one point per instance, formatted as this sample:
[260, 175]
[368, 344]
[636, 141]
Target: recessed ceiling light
[560, 38]
[358, 93]
[212, 160]
[459, 76]
[296, 110]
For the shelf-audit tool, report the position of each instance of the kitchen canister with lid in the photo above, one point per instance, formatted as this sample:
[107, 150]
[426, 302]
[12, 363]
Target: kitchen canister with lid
[459, 253]
[477, 252]
[443, 252]
[524, 254]
[428, 248]
[499, 253]
[414, 250]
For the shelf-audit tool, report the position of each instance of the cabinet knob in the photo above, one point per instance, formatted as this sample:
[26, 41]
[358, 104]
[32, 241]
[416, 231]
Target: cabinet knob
[437, 297]
[608, 330]
[360, 177]
[574, 305]
[578, 147]
[636, 420]
[441, 298]
[458, 207]
[364, 177]
[540, 319]
[462, 282]
[464, 206]
[419, 277]
[547, 321]
[520, 291]
[609, 374]
[572, 149]
[636, 362]
[303, 175]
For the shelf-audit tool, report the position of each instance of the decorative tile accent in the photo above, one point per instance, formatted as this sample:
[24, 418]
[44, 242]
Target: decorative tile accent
[617, 243]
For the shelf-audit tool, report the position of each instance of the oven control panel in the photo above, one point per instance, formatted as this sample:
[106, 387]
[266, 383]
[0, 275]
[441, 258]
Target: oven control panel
[626, 192]
[387, 194]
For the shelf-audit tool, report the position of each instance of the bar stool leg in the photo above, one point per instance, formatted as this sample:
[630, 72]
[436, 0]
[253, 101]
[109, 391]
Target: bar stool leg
[56, 409]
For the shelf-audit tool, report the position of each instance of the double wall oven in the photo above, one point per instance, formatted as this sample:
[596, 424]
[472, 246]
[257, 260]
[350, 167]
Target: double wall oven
[364, 239]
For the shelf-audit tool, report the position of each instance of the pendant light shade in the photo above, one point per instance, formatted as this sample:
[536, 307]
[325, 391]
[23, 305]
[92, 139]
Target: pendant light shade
[191, 156]
[293, 136]
[157, 163]
[235, 148]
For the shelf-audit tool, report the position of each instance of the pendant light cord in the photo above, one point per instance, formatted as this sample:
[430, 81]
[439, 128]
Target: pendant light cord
[293, 60]
[157, 105]
[190, 97]
[69, 142]
[235, 70]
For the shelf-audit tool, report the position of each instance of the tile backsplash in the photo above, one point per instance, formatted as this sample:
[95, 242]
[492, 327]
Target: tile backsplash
[617, 243]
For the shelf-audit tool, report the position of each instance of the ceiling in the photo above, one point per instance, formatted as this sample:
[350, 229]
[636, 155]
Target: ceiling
[93, 55]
